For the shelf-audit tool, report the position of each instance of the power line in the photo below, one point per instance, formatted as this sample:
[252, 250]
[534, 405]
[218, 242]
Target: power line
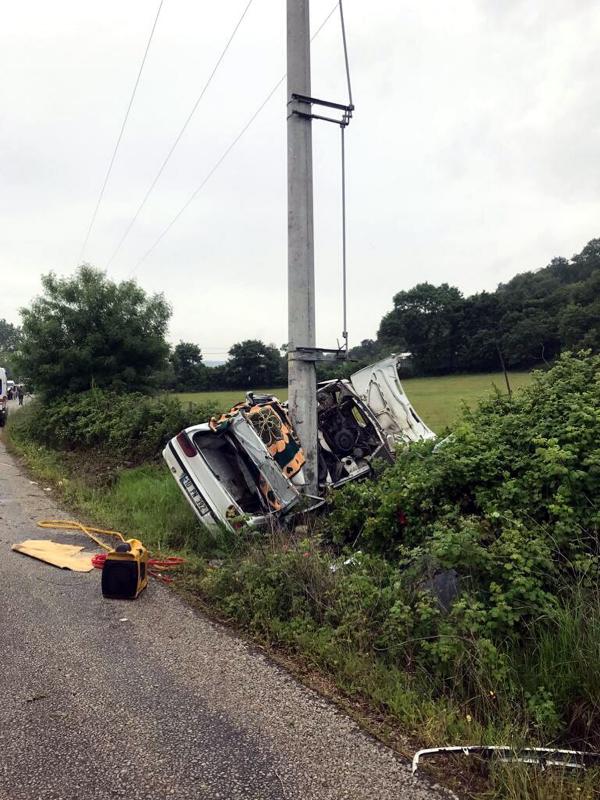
[179, 135]
[209, 175]
[343, 153]
[346, 62]
[114, 155]
[222, 158]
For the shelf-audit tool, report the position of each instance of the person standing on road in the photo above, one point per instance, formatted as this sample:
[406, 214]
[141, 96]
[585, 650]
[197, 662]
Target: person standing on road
[20, 394]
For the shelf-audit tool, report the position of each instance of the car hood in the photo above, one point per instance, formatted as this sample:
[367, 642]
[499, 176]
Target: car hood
[379, 386]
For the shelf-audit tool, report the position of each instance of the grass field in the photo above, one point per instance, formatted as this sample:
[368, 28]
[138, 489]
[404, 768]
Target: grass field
[225, 400]
[436, 400]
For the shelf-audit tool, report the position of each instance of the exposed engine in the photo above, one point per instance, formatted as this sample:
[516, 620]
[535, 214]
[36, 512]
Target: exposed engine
[348, 440]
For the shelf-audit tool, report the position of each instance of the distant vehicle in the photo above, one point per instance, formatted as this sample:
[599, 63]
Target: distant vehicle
[3, 397]
[246, 468]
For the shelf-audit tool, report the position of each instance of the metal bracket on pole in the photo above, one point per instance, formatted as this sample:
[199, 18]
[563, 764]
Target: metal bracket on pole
[314, 101]
[317, 354]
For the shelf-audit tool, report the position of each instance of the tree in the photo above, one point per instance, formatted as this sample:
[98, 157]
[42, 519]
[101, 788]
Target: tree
[189, 371]
[368, 349]
[253, 364]
[580, 326]
[425, 320]
[10, 336]
[525, 322]
[480, 334]
[86, 331]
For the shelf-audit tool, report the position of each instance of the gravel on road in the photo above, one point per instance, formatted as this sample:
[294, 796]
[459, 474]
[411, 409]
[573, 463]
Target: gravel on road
[148, 699]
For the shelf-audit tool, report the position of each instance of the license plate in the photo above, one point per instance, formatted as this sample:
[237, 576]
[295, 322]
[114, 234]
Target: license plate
[194, 494]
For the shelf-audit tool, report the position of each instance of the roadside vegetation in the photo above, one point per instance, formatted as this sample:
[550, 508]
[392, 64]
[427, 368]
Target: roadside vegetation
[456, 595]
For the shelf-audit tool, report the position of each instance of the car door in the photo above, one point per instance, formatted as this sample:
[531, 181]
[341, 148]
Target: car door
[379, 386]
[279, 492]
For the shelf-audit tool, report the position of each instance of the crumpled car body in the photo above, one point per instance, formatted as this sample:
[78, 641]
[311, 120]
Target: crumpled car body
[246, 467]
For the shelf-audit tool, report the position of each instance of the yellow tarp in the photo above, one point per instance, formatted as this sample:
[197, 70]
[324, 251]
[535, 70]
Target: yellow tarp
[65, 556]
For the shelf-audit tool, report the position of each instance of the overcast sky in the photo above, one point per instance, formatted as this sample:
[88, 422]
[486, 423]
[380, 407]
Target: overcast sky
[473, 153]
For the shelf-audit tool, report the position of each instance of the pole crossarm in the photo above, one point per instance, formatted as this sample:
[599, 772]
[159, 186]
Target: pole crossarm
[315, 101]
[317, 354]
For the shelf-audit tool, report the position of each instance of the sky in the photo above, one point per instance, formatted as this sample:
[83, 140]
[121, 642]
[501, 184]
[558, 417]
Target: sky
[472, 154]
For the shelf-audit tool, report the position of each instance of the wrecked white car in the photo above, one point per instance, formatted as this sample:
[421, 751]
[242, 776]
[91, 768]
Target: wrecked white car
[246, 468]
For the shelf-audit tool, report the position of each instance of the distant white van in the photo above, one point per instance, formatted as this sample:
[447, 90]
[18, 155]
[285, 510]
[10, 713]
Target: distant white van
[3, 397]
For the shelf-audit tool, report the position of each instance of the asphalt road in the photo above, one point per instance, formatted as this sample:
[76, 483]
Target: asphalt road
[148, 699]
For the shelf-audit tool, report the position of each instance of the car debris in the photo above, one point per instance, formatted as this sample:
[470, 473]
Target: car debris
[380, 388]
[246, 467]
[540, 756]
[347, 562]
[65, 556]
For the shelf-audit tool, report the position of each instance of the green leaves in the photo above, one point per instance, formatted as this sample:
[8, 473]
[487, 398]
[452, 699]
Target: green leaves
[525, 322]
[86, 331]
[253, 364]
[509, 503]
[131, 428]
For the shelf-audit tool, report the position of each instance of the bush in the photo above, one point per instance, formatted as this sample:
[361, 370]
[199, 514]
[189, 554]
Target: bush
[509, 504]
[505, 509]
[131, 427]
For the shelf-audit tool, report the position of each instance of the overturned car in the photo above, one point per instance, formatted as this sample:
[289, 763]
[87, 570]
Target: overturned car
[246, 467]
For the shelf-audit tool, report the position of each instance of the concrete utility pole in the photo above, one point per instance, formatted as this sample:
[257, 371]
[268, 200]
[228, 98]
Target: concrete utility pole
[301, 267]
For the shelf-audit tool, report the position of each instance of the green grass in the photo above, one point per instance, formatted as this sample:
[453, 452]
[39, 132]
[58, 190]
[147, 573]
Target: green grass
[144, 501]
[436, 400]
[524, 782]
[226, 399]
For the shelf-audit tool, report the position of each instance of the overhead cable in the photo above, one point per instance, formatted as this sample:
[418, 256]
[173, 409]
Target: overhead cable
[344, 269]
[180, 134]
[120, 136]
[344, 247]
[211, 172]
[224, 155]
[345, 53]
